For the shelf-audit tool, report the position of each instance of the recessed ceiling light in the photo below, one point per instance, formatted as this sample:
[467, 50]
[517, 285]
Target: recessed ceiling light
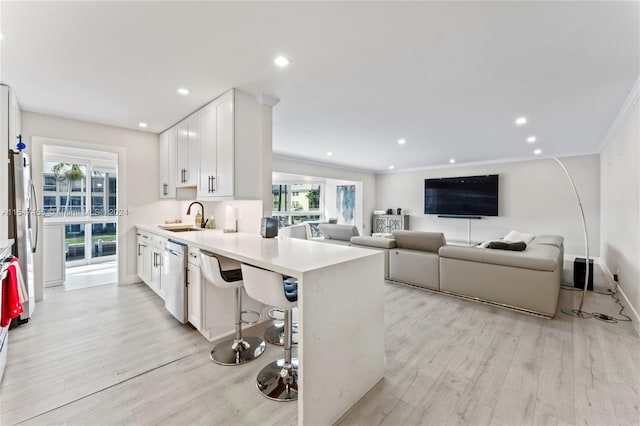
[391, 167]
[142, 125]
[537, 152]
[531, 139]
[183, 91]
[401, 141]
[453, 160]
[281, 61]
[329, 153]
[521, 120]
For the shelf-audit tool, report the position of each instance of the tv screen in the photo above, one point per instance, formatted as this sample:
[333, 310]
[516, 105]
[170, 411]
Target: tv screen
[462, 196]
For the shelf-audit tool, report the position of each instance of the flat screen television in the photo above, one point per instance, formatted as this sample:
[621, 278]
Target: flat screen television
[462, 196]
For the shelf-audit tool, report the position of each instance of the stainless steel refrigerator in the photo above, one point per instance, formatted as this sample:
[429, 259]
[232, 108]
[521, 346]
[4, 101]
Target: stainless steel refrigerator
[23, 223]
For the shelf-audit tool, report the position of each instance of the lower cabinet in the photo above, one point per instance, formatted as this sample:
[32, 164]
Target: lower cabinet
[149, 261]
[194, 290]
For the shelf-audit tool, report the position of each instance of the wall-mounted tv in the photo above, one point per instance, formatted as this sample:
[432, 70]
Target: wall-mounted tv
[462, 196]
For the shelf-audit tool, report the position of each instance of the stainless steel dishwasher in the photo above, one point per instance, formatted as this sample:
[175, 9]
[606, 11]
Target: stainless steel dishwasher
[174, 279]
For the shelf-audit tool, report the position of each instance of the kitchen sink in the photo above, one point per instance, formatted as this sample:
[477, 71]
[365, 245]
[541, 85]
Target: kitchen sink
[179, 228]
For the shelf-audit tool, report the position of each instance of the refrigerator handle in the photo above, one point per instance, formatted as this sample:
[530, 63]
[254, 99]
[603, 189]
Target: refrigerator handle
[35, 201]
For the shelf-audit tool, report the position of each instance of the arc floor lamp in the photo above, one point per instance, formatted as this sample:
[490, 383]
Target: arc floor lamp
[568, 311]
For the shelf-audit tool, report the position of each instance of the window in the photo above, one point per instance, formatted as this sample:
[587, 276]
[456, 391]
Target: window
[88, 191]
[297, 203]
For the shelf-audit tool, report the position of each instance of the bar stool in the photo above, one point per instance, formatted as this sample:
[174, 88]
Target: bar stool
[279, 379]
[240, 349]
[274, 334]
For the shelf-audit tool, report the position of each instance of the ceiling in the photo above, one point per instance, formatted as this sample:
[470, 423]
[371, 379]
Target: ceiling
[449, 77]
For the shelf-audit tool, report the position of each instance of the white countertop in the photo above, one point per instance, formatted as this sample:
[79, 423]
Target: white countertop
[288, 256]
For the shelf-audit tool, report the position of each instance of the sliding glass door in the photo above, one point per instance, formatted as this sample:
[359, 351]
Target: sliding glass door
[83, 196]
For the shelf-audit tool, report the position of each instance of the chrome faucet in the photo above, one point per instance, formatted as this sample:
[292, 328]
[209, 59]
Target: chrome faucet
[202, 224]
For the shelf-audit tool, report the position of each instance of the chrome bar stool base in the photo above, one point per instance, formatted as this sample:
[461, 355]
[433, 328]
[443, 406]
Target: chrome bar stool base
[231, 352]
[279, 383]
[275, 334]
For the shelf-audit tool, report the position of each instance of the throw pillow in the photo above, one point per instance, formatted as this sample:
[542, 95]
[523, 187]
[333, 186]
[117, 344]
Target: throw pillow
[504, 245]
[515, 236]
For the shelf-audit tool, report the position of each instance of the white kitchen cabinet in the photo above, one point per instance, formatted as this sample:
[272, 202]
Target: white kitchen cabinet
[155, 281]
[168, 163]
[230, 148]
[54, 261]
[194, 289]
[216, 149]
[149, 261]
[187, 152]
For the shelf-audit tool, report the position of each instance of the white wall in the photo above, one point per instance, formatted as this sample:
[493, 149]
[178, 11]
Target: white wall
[141, 195]
[534, 196]
[620, 207]
[368, 192]
[249, 213]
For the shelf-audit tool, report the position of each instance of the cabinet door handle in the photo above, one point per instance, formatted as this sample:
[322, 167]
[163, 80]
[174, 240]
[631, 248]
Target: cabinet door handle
[165, 189]
[183, 174]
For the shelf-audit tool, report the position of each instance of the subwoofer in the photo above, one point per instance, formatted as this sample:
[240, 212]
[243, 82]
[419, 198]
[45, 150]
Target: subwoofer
[579, 266]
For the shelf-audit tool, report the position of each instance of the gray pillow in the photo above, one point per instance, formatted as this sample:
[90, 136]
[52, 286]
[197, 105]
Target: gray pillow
[505, 245]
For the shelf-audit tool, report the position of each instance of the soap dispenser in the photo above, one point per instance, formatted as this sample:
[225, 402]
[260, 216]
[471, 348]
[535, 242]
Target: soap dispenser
[198, 220]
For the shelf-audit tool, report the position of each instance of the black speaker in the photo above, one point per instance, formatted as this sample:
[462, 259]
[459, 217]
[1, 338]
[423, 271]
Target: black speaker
[579, 266]
[269, 227]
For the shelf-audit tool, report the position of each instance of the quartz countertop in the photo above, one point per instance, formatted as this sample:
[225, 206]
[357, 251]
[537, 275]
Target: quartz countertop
[290, 256]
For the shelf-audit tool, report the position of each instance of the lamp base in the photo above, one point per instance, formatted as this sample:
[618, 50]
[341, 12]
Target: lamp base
[576, 313]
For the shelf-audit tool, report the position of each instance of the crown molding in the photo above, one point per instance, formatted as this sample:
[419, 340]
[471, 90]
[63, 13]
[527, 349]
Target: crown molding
[268, 100]
[488, 162]
[628, 104]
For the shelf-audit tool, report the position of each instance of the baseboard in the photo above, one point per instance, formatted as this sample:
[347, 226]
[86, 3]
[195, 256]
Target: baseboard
[627, 304]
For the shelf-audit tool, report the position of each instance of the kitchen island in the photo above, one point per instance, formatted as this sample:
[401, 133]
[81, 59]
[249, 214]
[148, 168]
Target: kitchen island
[341, 313]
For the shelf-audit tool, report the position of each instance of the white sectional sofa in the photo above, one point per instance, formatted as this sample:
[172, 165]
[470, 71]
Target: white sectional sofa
[331, 233]
[527, 280]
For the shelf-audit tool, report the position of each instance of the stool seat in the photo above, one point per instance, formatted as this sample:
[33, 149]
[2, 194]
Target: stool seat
[231, 275]
[239, 350]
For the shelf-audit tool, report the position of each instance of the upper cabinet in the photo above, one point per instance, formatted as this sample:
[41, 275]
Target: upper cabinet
[218, 149]
[168, 163]
[230, 148]
[188, 145]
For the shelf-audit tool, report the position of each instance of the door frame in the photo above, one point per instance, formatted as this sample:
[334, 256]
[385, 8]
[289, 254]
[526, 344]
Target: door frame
[37, 143]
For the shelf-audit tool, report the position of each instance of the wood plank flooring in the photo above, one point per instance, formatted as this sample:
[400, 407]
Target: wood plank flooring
[113, 355]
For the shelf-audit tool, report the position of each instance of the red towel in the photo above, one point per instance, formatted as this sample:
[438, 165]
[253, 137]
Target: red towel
[10, 295]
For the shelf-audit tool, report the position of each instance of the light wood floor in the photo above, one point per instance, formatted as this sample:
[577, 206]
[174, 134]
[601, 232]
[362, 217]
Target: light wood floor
[113, 355]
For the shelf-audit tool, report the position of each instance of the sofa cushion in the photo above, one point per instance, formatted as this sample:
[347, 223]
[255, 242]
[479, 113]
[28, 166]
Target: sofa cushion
[551, 240]
[386, 243]
[540, 257]
[338, 232]
[515, 236]
[417, 240]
